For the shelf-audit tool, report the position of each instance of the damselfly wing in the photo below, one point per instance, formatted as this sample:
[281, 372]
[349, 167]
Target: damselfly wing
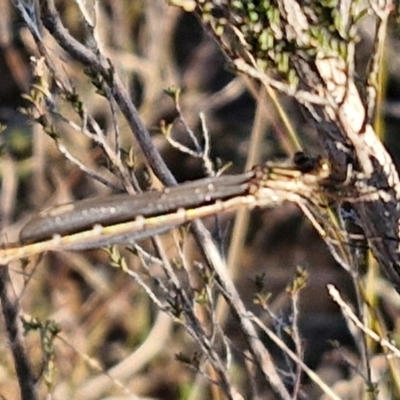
[85, 214]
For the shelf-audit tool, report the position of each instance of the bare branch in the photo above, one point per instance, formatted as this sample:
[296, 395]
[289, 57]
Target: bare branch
[11, 313]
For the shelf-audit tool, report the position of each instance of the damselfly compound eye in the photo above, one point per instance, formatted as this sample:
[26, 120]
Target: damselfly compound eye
[305, 162]
[311, 164]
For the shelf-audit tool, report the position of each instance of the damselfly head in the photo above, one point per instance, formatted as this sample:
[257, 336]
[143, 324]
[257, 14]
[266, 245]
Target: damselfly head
[311, 164]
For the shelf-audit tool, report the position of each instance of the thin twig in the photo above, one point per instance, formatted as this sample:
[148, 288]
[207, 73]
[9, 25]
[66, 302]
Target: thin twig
[156, 339]
[312, 375]
[349, 314]
[11, 313]
[97, 62]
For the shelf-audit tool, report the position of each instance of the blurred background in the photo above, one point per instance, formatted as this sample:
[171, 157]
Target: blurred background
[103, 315]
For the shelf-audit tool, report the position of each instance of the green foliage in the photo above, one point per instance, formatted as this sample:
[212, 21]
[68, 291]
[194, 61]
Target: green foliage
[263, 34]
[48, 331]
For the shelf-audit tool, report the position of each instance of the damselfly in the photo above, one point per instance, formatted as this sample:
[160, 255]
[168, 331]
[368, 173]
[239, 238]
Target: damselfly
[124, 218]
